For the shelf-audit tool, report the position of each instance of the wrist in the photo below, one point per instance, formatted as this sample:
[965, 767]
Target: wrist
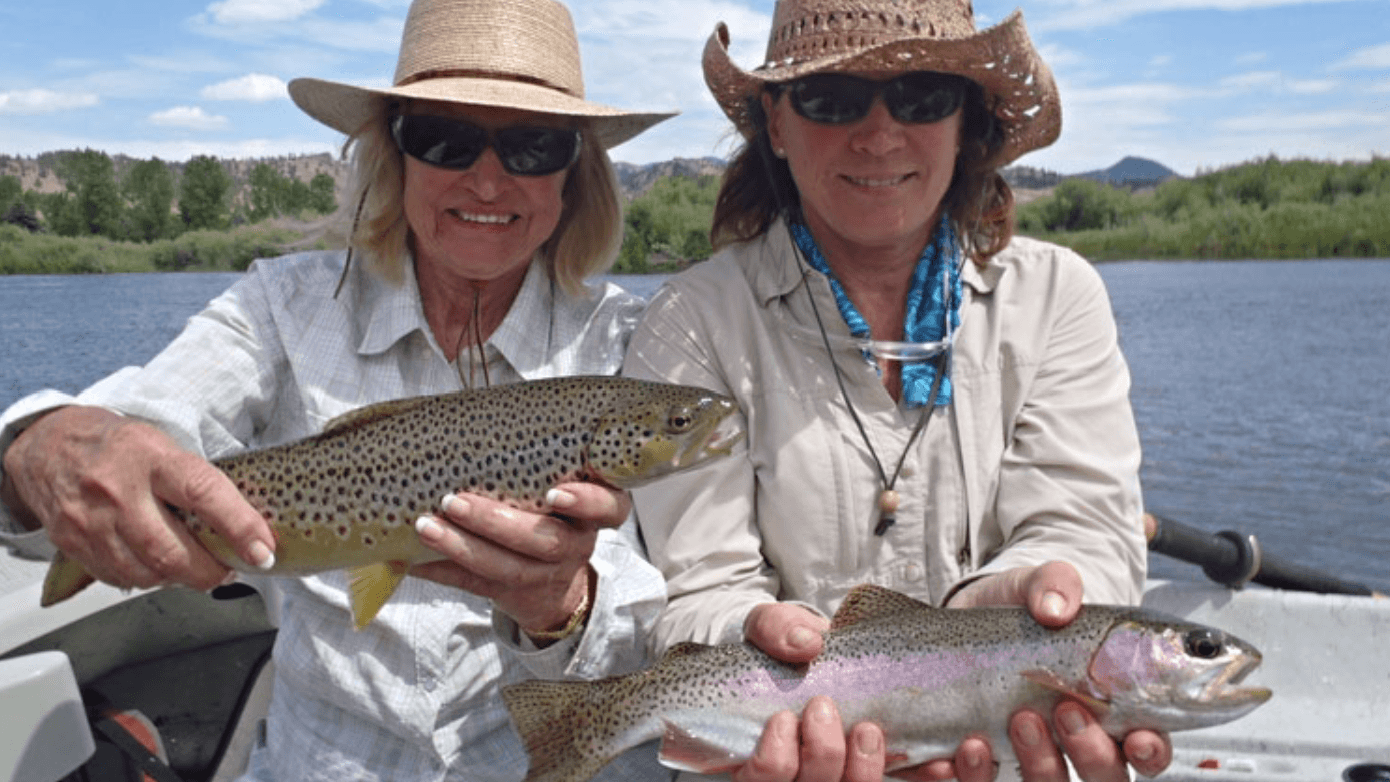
[574, 621]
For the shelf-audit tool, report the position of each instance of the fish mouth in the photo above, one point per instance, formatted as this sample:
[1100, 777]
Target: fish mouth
[717, 437]
[1224, 688]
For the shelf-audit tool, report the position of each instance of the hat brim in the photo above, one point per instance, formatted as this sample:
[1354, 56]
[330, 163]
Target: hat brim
[1001, 59]
[345, 107]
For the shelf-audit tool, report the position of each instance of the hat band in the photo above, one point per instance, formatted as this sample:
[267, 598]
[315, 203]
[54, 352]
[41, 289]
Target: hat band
[464, 73]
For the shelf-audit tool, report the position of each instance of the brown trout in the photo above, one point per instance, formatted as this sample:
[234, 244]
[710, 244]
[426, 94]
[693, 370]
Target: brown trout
[348, 498]
[929, 677]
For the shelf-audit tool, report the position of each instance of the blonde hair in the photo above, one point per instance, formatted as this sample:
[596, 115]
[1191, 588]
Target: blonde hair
[585, 241]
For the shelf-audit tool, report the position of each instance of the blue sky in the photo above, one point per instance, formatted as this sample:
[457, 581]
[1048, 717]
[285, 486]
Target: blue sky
[1193, 84]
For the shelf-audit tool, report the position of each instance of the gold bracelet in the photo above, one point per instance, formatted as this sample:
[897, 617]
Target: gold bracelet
[576, 620]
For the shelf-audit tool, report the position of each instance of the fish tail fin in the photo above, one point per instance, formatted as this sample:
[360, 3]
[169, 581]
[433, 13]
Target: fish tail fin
[66, 577]
[370, 586]
[556, 721]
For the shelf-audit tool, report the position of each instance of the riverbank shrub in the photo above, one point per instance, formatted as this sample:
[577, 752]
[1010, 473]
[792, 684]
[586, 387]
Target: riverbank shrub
[22, 252]
[1266, 209]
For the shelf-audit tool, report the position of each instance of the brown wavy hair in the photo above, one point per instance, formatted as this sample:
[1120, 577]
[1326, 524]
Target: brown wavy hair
[758, 187]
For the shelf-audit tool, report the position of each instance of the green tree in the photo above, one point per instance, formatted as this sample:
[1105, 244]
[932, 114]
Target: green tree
[322, 198]
[95, 207]
[268, 193]
[11, 191]
[204, 194]
[148, 188]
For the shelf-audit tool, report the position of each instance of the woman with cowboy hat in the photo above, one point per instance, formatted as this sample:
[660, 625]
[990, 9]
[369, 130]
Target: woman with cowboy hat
[484, 196]
[932, 404]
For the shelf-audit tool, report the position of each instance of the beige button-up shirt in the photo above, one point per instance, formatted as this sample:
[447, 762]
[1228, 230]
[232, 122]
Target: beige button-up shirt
[1036, 458]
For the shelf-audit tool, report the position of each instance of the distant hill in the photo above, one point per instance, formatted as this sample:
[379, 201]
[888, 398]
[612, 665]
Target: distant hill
[1132, 172]
[634, 180]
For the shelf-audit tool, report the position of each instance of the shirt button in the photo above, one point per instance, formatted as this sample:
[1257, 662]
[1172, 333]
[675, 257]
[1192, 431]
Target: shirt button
[913, 572]
[428, 683]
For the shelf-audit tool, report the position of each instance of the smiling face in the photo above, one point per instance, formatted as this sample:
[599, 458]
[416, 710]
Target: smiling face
[480, 223]
[873, 185]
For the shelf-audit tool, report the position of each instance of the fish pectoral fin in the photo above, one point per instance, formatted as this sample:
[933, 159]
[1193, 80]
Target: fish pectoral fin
[66, 577]
[713, 746]
[1052, 681]
[370, 586]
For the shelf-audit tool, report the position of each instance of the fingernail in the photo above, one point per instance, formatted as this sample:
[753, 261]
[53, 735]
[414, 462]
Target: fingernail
[230, 579]
[1073, 721]
[801, 637]
[261, 555]
[454, 505]
[428, 528]
[1028, 734]
[559, 498]
[1053, 604]
[868, 742]
[1142, 753]
[974, 755]
[820, 710]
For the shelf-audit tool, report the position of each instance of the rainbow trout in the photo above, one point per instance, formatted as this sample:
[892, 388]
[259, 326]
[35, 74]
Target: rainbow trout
[929, 677]
[348, 497]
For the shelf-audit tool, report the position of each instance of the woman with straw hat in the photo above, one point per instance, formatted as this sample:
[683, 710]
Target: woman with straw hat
[933, 404]
[483, 198]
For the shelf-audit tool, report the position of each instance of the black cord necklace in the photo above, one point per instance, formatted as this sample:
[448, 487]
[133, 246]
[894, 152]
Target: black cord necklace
[888, 499]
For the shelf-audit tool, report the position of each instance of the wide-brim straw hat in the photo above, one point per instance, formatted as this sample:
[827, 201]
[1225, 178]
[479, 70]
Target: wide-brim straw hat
[897, 36]
[515, 54]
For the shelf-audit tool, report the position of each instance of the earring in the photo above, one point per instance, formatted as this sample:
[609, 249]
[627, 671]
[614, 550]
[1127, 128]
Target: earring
[780, 153]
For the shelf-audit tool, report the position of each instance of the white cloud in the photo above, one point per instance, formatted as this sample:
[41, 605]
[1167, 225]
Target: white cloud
[1314, 86]
[254, 87]
[1254, 80]
[42, 101]
[190, 117]
[1370, 58]
[258, 11]
[1084, 14]
[1317, 120]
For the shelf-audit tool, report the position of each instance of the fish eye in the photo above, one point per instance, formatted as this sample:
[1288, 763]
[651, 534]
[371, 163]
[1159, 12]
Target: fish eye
[679, 420]
[1202, 643]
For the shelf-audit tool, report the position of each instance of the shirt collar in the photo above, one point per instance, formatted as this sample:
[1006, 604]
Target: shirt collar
[384, 314]
[780, 274]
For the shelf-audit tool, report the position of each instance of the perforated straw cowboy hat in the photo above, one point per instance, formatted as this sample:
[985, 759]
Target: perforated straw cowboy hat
[517, 54]
[897, 36]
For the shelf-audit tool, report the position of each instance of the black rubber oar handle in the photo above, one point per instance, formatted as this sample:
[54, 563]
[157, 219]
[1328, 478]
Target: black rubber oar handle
[1235, 559]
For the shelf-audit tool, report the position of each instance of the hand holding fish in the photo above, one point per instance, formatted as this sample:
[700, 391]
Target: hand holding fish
[532, 565]
[1052, 592]
[101, 485]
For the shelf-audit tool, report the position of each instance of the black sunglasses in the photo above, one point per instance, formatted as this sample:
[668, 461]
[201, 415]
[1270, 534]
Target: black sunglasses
[838, 98]
[456, 144]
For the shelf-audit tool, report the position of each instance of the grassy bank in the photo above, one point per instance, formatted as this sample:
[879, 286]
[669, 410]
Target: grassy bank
[22, 252]
[1267, 209]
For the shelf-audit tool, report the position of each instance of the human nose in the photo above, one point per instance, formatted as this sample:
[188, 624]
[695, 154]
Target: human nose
[878, 133]
[486, 176]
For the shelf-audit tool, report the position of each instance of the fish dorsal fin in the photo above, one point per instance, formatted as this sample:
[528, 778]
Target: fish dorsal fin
[370, 586]
[362, 416]
[868, 601]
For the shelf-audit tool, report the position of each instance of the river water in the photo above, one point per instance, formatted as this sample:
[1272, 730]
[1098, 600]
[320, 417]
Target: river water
[1262, 389]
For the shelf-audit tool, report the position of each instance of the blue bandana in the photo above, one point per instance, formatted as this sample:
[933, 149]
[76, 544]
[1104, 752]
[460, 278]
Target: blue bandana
[927, 308]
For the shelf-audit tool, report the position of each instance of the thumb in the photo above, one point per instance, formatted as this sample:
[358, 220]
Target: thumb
[193, 484]
[790, 633]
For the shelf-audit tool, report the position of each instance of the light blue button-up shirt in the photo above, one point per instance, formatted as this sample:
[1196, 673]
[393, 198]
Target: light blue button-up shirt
[415, 695]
